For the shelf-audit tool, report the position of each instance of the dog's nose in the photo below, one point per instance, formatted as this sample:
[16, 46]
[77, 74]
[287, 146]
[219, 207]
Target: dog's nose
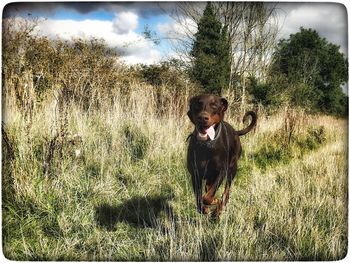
[203, 117]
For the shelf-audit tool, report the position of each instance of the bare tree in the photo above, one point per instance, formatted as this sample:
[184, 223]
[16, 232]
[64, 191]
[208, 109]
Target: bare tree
[252, 28]
[181, 35]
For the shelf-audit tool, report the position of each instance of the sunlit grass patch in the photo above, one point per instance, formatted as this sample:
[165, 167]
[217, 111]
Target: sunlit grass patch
[128, 195]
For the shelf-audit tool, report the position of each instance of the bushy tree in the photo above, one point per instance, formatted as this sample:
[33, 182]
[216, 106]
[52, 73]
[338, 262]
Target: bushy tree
[315, 69]
[270, 94]
[84, 71]
[210, 53]
[306, 71]
[166, 73]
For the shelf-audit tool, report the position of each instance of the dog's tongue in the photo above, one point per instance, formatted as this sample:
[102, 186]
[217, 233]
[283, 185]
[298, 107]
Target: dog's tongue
[208, 132]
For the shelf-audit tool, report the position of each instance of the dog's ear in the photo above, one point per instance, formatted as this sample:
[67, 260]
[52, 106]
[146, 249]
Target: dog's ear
[224, 104]
[189, 113]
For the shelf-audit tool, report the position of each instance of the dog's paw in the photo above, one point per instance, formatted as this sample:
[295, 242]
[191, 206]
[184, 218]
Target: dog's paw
[216, 214]
[218, 211]
[204, 210]
[213, 201]
[216, 201]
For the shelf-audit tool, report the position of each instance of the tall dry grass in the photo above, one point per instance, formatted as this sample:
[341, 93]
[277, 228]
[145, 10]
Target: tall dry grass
[127, 195]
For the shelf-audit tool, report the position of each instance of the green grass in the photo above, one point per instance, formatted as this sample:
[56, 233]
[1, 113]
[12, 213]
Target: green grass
[128, 195]
[276, 150]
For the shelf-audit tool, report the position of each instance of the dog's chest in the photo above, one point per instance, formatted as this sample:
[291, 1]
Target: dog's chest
[212, 153]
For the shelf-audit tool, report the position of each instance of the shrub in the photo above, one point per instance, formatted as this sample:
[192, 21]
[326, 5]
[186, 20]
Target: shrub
[313, 139]
[272, 154]
[275, 150]
[135, 141]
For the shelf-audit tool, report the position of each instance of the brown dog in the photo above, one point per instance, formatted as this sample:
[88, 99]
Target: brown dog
[213, 151]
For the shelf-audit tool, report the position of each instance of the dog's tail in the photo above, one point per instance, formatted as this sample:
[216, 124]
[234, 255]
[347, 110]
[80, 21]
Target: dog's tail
[251, 125]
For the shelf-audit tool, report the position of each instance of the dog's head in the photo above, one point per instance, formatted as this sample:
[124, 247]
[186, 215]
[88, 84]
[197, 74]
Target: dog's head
[206, 111]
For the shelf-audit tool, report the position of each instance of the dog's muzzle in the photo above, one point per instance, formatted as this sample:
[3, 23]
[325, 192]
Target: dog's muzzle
[208, 133]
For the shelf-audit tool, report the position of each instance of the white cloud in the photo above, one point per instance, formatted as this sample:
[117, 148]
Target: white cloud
[328, 19]
[151, 57]
[184, 27]
[132, 47]
[125, 22]
[68, 29]
[179, 36]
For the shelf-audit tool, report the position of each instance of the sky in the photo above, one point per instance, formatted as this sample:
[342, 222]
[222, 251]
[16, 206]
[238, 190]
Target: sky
[121, 24]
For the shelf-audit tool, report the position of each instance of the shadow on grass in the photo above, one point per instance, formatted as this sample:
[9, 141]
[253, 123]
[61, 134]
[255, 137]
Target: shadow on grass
[208, 249]
[137, 211]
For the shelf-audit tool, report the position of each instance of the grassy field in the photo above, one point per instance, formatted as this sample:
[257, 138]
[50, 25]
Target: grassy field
[111, 184]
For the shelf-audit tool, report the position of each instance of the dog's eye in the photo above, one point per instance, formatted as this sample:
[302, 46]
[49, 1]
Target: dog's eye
[214, 106]
[197, 106]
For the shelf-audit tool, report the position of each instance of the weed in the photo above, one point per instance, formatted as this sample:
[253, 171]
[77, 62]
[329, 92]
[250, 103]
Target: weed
[272, 154]
[136, 142]
[314, 138]
[276, 151]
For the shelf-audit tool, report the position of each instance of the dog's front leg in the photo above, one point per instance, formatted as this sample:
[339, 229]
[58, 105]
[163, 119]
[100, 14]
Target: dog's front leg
[197, 185]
